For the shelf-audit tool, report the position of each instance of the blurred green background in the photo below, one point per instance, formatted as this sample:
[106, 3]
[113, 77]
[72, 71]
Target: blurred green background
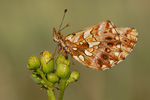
[26, 30]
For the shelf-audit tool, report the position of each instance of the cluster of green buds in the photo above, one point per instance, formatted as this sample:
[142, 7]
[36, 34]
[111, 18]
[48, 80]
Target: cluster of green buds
[45, 73]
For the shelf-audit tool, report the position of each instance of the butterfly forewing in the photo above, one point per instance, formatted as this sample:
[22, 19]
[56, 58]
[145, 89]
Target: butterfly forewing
[102, 45]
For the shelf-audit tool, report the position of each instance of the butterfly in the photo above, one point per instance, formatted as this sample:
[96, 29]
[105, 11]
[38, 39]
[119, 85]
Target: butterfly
[100, 46]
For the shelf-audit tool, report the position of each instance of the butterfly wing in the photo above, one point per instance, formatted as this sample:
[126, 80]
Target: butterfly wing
[99, 46]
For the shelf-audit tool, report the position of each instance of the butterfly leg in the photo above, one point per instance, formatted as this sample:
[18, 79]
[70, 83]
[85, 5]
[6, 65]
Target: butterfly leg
[73, 63]
[53, 54]
[55, 50]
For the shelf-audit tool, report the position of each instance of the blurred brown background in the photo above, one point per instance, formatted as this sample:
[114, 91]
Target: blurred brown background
[26, 30]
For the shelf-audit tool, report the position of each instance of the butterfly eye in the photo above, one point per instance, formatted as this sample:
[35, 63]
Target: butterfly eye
[55, 40]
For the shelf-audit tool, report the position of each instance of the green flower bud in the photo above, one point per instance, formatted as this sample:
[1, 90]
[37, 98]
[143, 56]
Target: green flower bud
[35, 78]
[74, 76]
[61, 59]
[62, 70]
[52, 77]
[33, 63]
[47, 61]
[42, 82]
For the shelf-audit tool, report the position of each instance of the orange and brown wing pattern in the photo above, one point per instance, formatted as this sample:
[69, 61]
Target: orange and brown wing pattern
[102, 45]
[128, 38]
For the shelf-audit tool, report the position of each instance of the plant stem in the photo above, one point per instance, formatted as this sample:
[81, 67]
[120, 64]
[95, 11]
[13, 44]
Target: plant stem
[43, 76]
[62, 89]
[51, 94]
[50, 91]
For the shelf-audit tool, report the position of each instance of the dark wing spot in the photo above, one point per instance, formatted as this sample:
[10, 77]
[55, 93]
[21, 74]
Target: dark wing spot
[108, 38]
[104, 56]
[105, 32]
[110, 44]
[126, 34]
[99, 63]
[125, 40]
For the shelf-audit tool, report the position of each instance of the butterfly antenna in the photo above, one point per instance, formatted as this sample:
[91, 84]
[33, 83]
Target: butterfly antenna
[62, 19]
